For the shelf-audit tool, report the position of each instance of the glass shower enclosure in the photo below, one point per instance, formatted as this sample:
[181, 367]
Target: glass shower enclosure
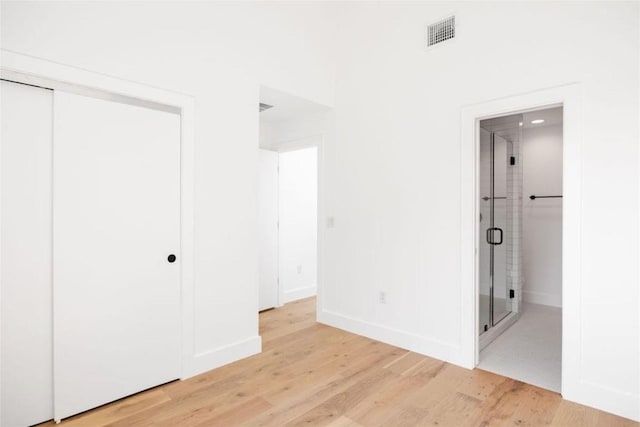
[500, 218]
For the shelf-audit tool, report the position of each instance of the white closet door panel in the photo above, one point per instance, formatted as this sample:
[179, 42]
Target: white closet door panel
[116, 217]
[26, 364]
[268, 228]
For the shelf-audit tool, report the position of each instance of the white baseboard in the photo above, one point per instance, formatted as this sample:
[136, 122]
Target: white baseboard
[206, 361]
[543, 298]
[419, 344]
[299, 293]
[605, 398]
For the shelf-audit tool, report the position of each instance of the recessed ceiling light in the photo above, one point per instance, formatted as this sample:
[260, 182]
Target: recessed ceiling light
[520, 124]
[537, 121]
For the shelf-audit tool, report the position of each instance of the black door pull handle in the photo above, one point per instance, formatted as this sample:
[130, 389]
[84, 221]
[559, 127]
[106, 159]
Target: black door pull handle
[500, 242]
[171, 258]
[491, 235]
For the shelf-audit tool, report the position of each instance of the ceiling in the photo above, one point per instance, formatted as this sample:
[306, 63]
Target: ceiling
[508, 127]
[286, 106]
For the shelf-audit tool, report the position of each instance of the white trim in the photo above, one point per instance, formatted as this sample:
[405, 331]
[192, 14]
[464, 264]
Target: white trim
[606, 399]
[41, 68]
[43, 82]
[279, 298]
[543, 298]
[299, 293]
[570, 97]
[322, 229]
[211, 359]
[412, 342]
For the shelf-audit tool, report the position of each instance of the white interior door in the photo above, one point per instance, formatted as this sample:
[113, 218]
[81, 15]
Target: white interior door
[116, 211]
[268, 228]
[25, 284]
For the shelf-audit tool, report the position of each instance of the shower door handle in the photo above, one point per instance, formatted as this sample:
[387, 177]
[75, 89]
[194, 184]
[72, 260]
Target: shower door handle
[491, 234]
[500, 242]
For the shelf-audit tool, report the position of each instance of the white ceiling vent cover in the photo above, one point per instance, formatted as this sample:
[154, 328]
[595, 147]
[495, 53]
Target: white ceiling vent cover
[441, 31]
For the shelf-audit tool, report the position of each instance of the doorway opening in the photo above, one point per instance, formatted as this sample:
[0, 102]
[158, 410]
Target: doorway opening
[519, 264]
[292, 131]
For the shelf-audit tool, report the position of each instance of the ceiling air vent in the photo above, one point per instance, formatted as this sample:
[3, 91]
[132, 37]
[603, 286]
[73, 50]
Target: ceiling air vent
[441, 31]
[264, 107]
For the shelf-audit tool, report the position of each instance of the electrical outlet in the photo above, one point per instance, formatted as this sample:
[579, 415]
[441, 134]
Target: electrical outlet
[300, 269]
[330, 222]
[382, 297]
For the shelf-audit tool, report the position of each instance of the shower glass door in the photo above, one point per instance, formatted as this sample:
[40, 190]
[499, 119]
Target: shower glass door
[495, 301]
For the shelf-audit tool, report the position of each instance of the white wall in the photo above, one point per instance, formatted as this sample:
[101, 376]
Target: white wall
[298, 201]
[220, 53]
[266, 135]
[300, 132]
[393, 174]
[542, 218]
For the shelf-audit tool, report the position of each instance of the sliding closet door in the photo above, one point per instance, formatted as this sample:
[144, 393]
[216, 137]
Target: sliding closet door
[116, 211]
[25, 284]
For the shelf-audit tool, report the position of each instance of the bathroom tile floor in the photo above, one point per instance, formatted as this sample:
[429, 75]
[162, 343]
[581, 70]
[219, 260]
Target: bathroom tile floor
[529, 351]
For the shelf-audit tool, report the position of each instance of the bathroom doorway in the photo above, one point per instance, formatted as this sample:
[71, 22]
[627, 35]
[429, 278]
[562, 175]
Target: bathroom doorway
[520, 246]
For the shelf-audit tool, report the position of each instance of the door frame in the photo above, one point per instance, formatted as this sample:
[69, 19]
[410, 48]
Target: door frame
[37, 71]
[570, 98]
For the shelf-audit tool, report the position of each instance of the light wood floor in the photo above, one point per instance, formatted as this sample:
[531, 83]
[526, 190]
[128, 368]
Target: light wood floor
[311, 374]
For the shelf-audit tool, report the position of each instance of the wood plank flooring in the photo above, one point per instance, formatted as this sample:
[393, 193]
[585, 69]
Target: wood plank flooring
[314, 375]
